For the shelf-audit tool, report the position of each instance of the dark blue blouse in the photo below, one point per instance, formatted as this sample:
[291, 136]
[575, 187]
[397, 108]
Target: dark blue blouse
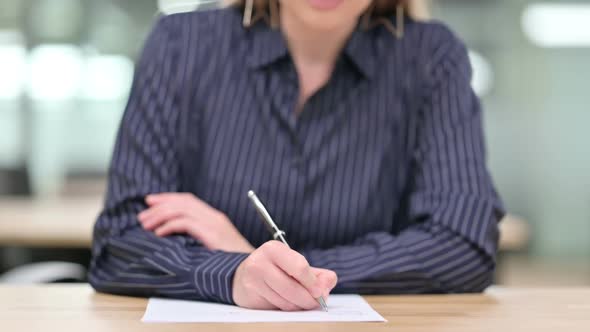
[381, 178]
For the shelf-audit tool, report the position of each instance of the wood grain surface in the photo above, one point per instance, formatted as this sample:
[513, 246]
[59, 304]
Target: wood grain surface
[78, 308]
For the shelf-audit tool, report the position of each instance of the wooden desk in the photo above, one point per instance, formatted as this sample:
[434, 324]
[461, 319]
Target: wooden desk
[68, 224]
[48, 223]
[78, 308]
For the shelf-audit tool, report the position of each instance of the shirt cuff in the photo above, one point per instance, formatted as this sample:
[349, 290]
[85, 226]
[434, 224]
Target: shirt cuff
[214, 277]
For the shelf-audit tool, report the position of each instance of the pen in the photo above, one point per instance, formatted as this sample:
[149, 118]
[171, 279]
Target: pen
[277, 234]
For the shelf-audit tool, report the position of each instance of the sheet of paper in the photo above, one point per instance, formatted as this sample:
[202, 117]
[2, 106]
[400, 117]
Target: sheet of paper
[342, 308]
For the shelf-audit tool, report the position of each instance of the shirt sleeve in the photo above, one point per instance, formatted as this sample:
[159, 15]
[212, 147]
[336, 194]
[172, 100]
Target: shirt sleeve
[452, 208]
[126, 259]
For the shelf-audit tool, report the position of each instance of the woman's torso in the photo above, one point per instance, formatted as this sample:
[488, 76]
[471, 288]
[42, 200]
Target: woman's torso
[339, 170]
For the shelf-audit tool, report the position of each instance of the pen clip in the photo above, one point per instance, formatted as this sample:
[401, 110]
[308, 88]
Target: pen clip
[278, 234]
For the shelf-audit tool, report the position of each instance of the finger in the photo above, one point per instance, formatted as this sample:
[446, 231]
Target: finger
[289, 289]
[332, 279]
[174, 226]
[154, 198]
[277, 300]
[259, 303]
[294, 264]
[145, 214]
[145, 219]
[327, 280]
[158, 198]
[155, 216]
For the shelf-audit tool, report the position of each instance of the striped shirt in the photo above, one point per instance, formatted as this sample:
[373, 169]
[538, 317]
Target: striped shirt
[381, 177]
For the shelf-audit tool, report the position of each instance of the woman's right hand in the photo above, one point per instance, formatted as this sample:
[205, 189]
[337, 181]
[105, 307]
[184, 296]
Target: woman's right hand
[276, 277]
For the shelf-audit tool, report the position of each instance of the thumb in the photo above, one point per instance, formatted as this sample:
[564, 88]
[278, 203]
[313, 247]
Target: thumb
[327, 279]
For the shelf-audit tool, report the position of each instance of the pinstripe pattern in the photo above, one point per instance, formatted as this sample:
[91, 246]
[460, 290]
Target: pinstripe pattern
[381, 178]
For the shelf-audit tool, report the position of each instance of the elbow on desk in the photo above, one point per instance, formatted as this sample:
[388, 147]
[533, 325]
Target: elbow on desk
[476, 280]
[96, 283]
[104, 284]
[102, 276]
[96, 277]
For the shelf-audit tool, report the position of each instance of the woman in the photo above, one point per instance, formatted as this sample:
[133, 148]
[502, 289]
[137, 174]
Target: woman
[356, 126]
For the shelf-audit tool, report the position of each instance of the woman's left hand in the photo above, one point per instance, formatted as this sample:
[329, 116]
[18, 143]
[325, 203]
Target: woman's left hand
[174, 213]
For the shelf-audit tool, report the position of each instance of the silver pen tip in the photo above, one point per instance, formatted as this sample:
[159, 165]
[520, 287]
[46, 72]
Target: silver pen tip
[323, 303]
[251, 193]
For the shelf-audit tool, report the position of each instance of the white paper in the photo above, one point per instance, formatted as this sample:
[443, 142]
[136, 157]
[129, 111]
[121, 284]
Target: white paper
[342, 308]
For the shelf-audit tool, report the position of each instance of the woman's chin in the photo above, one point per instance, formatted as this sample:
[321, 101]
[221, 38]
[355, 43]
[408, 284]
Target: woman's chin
[325, 5]
[326, 14]
[326, 25]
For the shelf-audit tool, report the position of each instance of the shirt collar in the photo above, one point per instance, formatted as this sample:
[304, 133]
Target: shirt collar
[361, 49]
[268, 46]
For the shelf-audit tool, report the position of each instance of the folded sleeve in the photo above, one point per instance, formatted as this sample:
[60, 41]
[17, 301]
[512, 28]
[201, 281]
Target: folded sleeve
[452, 209]
[125, 258]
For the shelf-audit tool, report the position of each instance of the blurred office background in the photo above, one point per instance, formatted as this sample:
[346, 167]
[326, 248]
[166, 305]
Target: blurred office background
[66, 67]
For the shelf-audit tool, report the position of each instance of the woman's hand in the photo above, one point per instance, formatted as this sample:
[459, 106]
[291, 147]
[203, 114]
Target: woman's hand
[183, 213]
[276, 277]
